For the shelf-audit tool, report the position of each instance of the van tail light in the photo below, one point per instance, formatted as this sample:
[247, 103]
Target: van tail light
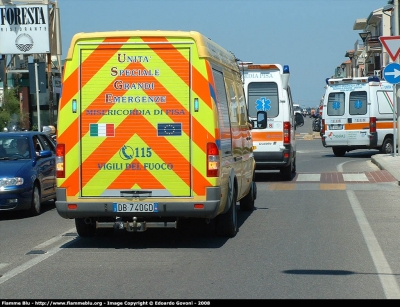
[372, 124]
[60, 160]
[286, 133]
[212, 160]
[322, 126]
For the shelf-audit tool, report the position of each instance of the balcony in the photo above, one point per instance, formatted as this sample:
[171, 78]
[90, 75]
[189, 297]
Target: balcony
[373, 44]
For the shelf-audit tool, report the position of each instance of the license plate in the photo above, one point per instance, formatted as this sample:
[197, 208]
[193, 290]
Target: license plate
[336, 127]
[135, 207]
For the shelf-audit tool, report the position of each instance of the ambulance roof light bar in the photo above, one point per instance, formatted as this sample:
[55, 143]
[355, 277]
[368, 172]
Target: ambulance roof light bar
[354, 80]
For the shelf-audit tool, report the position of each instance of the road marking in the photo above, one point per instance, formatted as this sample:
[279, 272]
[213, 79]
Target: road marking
[30, 263]
[308, 177]
[355, 177]
[385, 274]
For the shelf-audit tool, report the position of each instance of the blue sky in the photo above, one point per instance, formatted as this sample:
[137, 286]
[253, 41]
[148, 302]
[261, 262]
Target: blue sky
[311, 36]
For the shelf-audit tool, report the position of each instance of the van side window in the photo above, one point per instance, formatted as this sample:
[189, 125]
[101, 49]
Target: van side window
[358, 103]
[385, 104]
[336, 104]
[234, 103]
[243, 113]
[263, 96]
[223, 113]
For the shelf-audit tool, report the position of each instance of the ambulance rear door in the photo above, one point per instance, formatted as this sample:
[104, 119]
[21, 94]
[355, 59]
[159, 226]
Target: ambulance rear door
[347, 115]
[263, 94]
[135, 120]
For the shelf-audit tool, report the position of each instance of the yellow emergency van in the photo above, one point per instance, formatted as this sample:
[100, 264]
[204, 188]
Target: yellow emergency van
[152, 130]
[357, 113]
[267, 89]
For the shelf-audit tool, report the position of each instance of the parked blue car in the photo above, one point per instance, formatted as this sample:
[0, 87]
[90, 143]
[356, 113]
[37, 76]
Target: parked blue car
[27, 170]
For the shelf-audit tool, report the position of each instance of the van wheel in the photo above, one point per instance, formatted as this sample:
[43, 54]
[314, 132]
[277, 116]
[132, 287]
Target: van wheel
[387, 146]
[85, 227]
[247, 202]
[226, 223]
[338, 152]
[286, 172]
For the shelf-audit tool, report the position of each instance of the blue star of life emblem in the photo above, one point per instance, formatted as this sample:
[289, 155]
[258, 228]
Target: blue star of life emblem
[263, 104]
[336, 105]
[358, 104]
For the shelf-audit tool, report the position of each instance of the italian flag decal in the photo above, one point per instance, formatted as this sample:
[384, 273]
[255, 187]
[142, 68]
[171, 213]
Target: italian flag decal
[102, 130]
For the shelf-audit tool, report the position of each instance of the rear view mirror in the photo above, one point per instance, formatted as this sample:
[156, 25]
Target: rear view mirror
[299, 120]
[261, 119]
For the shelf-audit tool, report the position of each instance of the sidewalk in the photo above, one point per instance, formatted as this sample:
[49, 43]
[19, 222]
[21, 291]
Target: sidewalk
[388, 162]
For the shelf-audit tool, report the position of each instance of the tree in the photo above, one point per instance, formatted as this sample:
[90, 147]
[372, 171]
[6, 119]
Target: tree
[10, 111]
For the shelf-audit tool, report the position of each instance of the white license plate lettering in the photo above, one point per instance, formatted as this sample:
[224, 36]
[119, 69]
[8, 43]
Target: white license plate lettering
[135, 207]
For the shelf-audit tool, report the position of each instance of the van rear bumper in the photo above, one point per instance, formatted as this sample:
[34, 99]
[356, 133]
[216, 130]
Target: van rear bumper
[272, 160]
[166, 208]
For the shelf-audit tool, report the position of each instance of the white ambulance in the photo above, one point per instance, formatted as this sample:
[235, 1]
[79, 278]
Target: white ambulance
[357, 114]
[267, 89]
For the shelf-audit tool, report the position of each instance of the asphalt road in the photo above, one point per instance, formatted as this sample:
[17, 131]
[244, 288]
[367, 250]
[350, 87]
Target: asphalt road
[304, 240]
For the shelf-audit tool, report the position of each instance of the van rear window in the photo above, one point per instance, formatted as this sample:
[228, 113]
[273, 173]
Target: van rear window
[263, 96]
[358, 103]
[336, 104]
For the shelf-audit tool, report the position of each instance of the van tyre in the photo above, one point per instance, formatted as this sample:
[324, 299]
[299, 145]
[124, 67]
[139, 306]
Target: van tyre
[247, 202]
[226, 223]
[338, 151]
[387, 146]
[35, 208]
[287, 171]
[85, 229]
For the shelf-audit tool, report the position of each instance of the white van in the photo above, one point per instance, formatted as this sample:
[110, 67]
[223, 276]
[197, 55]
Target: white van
[357, 114]
[267, 89]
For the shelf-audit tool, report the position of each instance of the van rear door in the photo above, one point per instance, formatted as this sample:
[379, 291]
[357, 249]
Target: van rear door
[347, 116]
[135, 119]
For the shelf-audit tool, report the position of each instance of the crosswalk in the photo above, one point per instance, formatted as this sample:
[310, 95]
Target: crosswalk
[381, 179]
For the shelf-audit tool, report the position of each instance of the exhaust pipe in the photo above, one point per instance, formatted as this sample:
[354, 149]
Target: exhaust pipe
[88, 220]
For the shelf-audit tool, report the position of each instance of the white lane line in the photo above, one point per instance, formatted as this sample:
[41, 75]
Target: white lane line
[53, 240]
[27, 265]
[385, 274]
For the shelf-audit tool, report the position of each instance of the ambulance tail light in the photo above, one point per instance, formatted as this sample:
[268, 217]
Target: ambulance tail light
[323, 127]
[372, 124]
[286, 133]
[60, 160]
[212, 160]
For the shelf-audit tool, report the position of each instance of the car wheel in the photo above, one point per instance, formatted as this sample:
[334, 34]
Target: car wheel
[226, 223]
[338, 152]
[85, 227]
[35, 202]
[387, 146]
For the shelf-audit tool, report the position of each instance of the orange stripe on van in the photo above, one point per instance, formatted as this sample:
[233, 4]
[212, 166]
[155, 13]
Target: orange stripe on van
[276, 136]
[200, 83]
[384, 125]
[71, 84]
[357, 126]
[126, 179]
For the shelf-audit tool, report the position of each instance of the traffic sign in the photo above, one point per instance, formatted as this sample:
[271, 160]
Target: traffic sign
[391, 73]
[392, 45]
